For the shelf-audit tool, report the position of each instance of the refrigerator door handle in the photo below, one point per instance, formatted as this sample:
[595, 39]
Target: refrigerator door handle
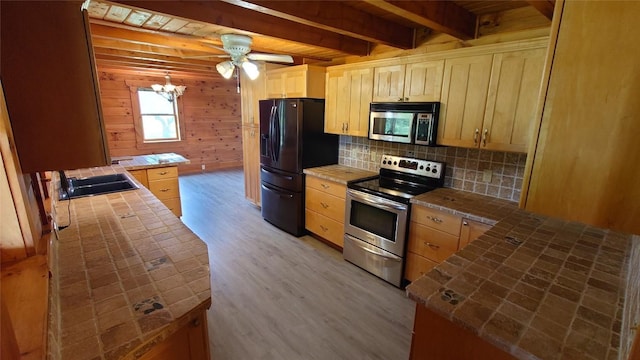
[271, 132]
[286, 177]
[276, 119]
[280, 193]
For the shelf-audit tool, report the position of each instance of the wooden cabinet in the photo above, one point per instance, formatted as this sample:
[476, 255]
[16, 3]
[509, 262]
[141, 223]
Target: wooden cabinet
[435, 337]
[51, 88]
[512, 100]
[251, 163]
[295, 81]
[190, 342]
[471, 230]
[324, 209]
[416, 81]
[489, 101]
[435, 235]
[347, 101]
[163, 183]
[584, 164]
[464, 96]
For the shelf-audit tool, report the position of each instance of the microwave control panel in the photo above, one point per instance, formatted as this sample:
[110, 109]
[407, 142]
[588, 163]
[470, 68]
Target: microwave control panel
[432, 169]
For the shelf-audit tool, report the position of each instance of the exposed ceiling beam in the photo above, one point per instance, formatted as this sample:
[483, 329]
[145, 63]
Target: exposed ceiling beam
[235, 17]
[154, 57]
[117, 44]
[144, 38]
[545, 7]
[442, 16]
[117, 60]
[337, 17]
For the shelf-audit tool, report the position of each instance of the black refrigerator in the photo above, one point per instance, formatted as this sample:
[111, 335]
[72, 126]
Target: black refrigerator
[292, 138]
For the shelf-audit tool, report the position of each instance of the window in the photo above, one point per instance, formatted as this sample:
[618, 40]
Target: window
[159, 117]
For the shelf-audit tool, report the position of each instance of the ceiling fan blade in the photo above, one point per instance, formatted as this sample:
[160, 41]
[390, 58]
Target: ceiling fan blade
[270, 57]
[206, 56]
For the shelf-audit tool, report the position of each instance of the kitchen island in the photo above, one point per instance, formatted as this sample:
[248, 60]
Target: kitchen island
[128, 279]
[530, 287]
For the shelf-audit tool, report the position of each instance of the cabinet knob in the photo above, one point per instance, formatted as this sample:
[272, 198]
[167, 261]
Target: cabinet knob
[323, 228]
[324, 205]
[475, 136]
[195, 322]
[325, 186]
[484, 137]
[164, 172]
[164, 190]
[464, 223]
[346, 126]
[434, 219]
[433, 246]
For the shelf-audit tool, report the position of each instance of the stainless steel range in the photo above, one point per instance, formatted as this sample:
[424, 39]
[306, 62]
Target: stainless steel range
[377, 214]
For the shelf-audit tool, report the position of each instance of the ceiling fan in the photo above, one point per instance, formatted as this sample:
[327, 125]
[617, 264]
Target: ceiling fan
[238, 48]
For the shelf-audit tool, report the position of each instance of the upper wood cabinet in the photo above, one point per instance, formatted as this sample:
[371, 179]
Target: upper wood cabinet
[49, 77]
[584, 166]
[464, 96]
[417, 81]
[347, 101]
[296, 81]
[512, 100]
[489, 101]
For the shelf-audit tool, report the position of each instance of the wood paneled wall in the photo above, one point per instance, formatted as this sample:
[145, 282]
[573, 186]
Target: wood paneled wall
[210, 117]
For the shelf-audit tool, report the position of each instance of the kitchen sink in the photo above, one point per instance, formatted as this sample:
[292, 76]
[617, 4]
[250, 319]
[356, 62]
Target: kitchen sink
[97, 185]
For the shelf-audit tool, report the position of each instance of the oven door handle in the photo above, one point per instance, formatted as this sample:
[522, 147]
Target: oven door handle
[381, 203]
[380, 253]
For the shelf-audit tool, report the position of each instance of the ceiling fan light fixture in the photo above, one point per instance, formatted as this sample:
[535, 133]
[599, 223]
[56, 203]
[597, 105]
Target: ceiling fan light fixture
[251, 69]
[225, 69]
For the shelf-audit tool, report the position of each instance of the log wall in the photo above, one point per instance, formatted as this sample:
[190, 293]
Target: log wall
[210, 116]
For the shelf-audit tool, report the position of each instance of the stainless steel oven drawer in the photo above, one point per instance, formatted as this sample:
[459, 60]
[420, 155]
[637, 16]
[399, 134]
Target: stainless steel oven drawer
[379, 262]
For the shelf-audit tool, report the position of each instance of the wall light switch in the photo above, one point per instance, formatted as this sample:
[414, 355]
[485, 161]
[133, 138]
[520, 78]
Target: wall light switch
[486, 175]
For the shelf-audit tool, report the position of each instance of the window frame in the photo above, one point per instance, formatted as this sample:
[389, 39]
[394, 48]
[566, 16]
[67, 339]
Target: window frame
[141, 143]
[175, 114]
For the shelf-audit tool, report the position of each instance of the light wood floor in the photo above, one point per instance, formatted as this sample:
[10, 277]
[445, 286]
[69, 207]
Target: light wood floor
[276, 296]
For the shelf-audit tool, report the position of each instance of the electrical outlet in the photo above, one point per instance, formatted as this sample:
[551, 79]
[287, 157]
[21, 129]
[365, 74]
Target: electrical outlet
[372, 156]
[486, 175]
[203, 166]
[411, 154]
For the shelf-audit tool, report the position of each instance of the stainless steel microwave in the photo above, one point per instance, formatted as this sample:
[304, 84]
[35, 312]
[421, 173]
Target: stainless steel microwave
[404, 122]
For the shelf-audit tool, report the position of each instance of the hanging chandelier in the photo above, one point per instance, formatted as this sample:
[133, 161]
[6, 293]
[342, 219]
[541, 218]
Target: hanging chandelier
[168, 90]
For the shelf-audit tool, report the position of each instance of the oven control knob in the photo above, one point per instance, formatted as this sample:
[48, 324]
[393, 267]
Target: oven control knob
[384, 162]
[395, 163]
[428, 168]
[434, 170]
[421, 167]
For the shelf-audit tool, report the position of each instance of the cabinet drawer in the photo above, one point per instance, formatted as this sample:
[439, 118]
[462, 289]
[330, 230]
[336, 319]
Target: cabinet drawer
[165, 189]
[436, 219]
[416, 266]
[327, 228]
[327, 186]
[162, 173]
[325, 204]
[174, 205]
[430, 243]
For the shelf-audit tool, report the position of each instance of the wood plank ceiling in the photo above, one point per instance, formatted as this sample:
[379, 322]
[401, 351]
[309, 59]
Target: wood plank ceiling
[185, 35]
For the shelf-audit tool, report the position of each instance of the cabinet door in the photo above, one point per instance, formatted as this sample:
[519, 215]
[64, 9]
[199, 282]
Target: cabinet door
[141, 176]
[388, 84]
[251, 163]
[464, 96]
[274, 85]
[53, 129]
[471, 230]
[423, 81]
[359, 98]
[295, 83]
[335, 102]
[512, 100]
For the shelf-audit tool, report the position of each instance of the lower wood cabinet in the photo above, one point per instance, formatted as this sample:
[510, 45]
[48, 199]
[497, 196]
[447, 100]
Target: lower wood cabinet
[324, 209]
[191, 342]
[163, 183]
[435, 337]
[435, 235]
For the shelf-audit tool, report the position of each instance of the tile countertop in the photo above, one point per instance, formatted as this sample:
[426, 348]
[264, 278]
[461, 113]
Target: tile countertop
[340, 173]
[126, 274]
[139, 162]
[534, 286]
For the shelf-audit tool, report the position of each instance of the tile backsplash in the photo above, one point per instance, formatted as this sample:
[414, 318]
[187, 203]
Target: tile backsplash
[464, 169]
